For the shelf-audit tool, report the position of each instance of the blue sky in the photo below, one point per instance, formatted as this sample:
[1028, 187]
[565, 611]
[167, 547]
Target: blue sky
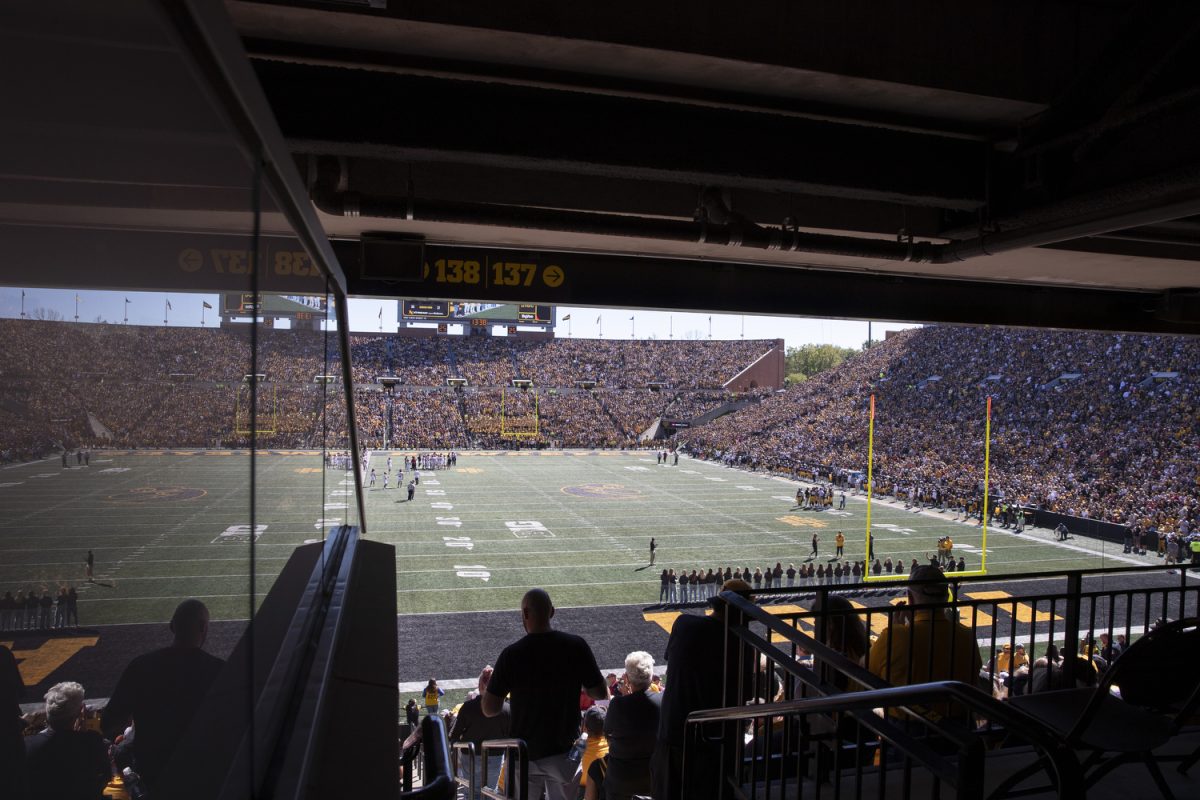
[147, 308]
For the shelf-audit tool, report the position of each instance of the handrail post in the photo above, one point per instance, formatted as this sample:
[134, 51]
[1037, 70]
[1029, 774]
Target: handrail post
[735, 694]
[1071, 625]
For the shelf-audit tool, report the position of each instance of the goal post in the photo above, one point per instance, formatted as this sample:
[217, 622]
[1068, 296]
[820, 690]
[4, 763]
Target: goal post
[268, 410]
[987, 457]
[524, 425]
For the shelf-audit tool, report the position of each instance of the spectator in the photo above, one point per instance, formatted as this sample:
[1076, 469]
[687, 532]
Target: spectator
[905, 651]
[542, 673]
[472, 725]
[162, 690]
[695, 681]
[595, 749]
[632, 729]
[844, 632]
[64, 761]
[433, 695]
[412, 714]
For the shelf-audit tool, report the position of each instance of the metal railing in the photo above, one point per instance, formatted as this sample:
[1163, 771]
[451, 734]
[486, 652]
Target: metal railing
[956, 759]
[438, 782]
[1067, 610]
[464, 764]
[515, 770]
[799, 710]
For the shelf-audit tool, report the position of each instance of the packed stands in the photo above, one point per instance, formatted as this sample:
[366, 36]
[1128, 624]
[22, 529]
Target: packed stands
[1114, 443]
[138, 386]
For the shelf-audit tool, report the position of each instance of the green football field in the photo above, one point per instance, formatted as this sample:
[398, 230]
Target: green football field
[168, 525]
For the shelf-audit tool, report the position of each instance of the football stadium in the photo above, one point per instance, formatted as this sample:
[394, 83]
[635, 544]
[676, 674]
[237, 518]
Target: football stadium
[495, 403]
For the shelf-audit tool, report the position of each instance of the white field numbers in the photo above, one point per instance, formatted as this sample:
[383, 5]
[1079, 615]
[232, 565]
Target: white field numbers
[239, 533]
[529, 529]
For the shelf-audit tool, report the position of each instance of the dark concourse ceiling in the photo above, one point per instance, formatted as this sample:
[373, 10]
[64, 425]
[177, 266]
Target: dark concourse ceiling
[926, 157]
[1043, 143]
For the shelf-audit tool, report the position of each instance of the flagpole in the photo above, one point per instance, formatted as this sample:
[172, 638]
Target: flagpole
[632, 328]
[166, 308]
[201, 313]
[126, 310]
[22, 304]
[600, 323]
[568, 326]
[671, 326]
[710, 326]
[77, 308]
[743, 326]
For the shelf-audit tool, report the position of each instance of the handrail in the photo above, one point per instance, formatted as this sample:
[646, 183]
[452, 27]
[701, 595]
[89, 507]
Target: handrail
[901, 580]
[459, 748]
[522, 769]
[439, 781]
[989, 706]
[1061, 759]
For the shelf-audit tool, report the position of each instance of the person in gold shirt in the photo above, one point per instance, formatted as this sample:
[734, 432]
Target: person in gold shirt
[925, 644]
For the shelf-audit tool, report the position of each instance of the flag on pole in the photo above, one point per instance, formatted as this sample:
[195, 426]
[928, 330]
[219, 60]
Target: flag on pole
[381, 313]
[597, 320]
[631, 319]
[169, 306]
[126, 301]
[567, 317]
[205, 304]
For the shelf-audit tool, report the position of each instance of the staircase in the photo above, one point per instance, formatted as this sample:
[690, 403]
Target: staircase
[611, 418]
[720, 411]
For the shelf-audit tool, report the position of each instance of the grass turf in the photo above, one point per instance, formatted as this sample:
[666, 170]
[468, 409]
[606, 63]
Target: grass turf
[475, 537]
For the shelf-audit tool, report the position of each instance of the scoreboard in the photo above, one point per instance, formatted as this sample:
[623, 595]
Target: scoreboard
[299, 307]
[477, 314]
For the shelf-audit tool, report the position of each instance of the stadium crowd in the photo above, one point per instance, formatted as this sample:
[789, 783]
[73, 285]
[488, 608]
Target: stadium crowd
[137, 386]
[1089, 424]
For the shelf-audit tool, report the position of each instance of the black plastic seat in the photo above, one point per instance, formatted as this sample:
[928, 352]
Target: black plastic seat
[1160, 690]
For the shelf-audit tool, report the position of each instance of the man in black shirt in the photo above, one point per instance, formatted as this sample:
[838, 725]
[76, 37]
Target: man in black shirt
[162, 690]
[542, 673]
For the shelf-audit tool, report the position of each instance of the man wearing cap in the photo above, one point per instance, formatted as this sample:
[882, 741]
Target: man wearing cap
[695, 681]
[926, 644]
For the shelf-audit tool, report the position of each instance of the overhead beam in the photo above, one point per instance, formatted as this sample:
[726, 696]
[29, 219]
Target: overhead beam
[409, 268]
[410, 118]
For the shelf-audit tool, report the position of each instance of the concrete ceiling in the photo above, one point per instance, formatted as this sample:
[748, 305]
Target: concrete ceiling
[1041, 144]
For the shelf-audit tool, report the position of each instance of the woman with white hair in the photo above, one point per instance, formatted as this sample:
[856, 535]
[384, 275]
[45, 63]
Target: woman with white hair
[632, 730]
[64, 761]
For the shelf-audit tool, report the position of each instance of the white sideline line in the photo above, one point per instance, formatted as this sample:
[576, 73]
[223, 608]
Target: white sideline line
[27, 463]
[891, 504]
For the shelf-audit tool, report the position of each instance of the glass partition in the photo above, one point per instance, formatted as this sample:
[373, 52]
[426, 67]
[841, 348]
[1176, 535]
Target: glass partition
[173, 417]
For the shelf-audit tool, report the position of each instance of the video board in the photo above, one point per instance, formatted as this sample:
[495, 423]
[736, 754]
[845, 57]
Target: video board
[242, 304]
[476, 313]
